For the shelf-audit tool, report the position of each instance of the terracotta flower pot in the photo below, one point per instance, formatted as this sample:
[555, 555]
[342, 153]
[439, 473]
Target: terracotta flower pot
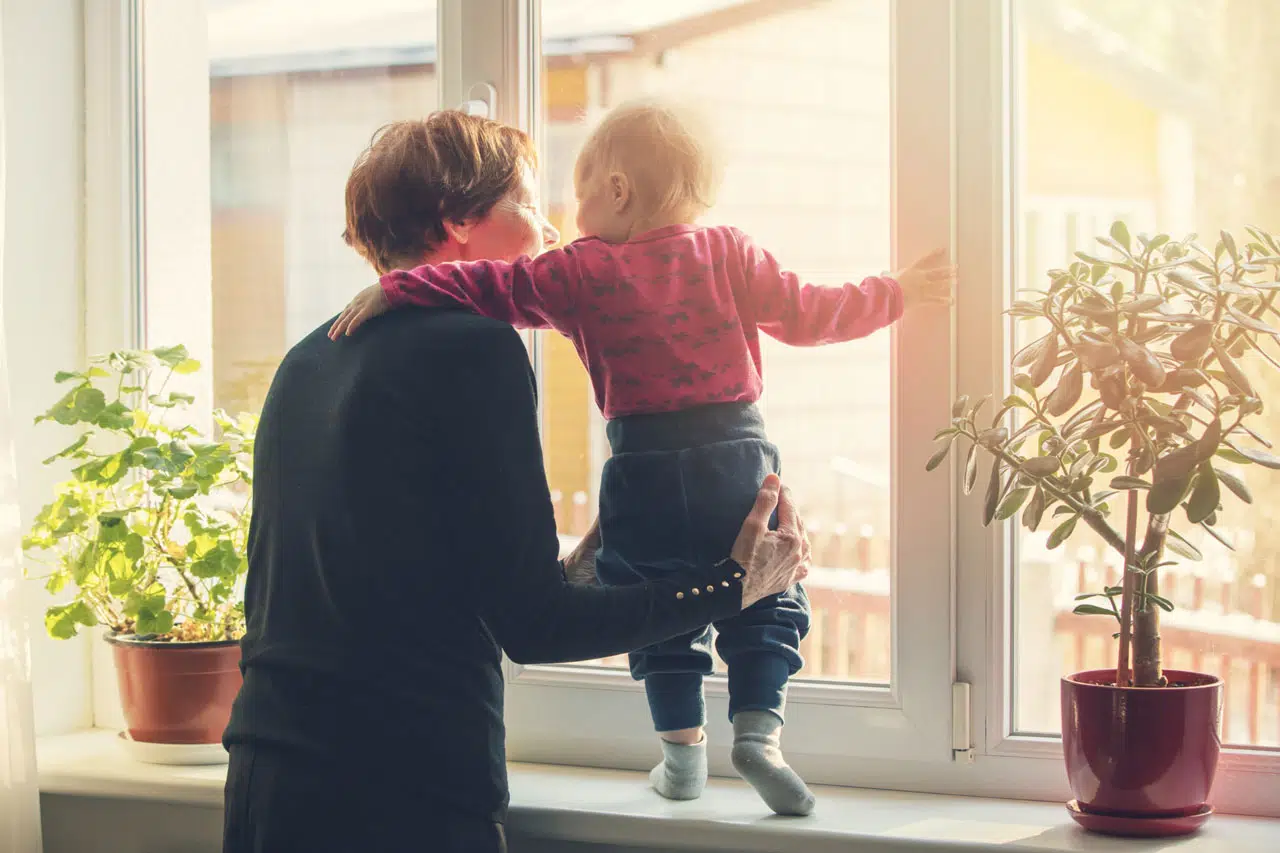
[1141, 753]
[176, 692]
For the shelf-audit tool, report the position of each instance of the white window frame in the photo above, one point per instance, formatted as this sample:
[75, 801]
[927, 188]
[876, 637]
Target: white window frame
[955, 623]
[147, 209]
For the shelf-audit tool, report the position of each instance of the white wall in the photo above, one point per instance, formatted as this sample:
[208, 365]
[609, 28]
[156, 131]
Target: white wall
[43, 275]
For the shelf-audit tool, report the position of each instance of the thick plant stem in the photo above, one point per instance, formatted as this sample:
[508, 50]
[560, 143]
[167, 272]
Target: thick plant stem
[1148, 670]
[1127, 589]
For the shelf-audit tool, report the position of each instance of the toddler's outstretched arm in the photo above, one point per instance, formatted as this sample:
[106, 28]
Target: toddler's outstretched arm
[807, 315]
[530, 293]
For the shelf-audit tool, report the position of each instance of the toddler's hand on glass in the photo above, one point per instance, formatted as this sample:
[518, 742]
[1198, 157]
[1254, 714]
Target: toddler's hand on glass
[369, 303]
[928, 281]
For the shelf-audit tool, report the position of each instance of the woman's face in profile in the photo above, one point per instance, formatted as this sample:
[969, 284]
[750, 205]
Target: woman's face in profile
[514, 227]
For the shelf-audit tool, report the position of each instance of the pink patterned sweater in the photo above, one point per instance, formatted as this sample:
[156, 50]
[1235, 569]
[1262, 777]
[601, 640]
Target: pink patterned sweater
[663, 322]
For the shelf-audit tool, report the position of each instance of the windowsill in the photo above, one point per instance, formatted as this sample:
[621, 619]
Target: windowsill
[616, 807]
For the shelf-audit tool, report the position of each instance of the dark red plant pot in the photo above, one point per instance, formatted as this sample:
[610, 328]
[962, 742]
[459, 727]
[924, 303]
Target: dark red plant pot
[1141, 752]
[176, 692]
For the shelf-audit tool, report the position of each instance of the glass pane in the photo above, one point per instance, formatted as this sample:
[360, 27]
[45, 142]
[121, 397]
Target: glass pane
[1160, 114]
[799, 98]
[297, 89]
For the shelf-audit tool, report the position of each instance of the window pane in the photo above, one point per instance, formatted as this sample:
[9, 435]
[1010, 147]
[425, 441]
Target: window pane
[297, 89]
[1160, 114]
[799, 98]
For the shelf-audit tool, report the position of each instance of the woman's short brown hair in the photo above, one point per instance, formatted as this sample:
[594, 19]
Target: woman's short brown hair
[417, 174]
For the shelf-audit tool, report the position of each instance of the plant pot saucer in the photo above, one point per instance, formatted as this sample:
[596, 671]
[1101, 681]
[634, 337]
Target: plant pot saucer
[176, 754]
[1139, 827]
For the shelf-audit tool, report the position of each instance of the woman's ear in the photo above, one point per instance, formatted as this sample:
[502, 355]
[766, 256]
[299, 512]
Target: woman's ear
[620, 192]
[459, 231]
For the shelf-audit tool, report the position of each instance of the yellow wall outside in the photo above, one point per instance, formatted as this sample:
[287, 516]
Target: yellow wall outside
[1084, 136]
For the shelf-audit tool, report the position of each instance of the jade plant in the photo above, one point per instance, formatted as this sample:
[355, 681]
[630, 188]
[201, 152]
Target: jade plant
[1136, 390]
[150, 530]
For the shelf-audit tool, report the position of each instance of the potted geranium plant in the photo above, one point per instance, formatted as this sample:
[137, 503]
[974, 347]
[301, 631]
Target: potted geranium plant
[1129, 409]
[150, 533]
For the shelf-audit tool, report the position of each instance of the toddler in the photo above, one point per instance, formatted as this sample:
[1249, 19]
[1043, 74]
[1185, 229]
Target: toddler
[666, 315]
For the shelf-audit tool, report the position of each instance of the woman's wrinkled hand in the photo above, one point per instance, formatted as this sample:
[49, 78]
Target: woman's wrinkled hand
[772, 560]
[580, 565]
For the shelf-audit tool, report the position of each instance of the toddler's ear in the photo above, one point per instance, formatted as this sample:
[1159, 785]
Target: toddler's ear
[620, 191]
[458, 230]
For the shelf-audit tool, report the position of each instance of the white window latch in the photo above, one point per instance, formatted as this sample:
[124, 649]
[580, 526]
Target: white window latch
[961, 736]
[481, 101]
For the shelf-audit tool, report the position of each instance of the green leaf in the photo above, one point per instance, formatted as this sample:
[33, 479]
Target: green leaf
[1098, 430]
[1035, 510]
[220, 561]
[171, 356]
[1025, 383]
[1178, 544]
[1208, 527]
[188, 365]
[1160, 601]
[66, 376]
[153, 622]
[938, 456]
[1165, 496]
[1061, 532]
[1230, 243]
[1042, 466]
[1231, 455]
[1235, 485]
[993, 437]
[971, 469]
[88, 402]
[134, 547]
[1125, 484]
[115, 416]
[1204, 496]
[63, 622]
[1242, 319]
[1012, 503]
[67, 451]
[1120, 233]
[1092, 610]
[992, 498]
[183, 491]
[1266, 460]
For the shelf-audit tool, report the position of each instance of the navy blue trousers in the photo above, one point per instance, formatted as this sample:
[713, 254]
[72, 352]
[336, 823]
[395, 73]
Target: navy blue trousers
[673, 496]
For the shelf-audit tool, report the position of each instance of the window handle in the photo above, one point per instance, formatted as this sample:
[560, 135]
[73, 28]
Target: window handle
[481, 101]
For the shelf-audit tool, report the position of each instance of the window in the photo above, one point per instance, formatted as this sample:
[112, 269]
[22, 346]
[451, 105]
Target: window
[801, 97]
[1146, 73]
[803, 113]
[296, 91]
[859, 134]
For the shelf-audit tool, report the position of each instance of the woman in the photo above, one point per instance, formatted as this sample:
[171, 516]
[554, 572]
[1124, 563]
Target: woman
[403, 537]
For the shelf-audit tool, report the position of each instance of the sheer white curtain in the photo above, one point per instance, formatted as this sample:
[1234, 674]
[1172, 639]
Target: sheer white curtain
[19, 792]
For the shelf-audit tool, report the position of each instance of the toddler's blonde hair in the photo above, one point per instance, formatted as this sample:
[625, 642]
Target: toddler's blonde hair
[667, 152]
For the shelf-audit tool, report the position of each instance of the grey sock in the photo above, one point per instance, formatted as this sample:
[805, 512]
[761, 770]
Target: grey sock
[683, 772]
[757, 756]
